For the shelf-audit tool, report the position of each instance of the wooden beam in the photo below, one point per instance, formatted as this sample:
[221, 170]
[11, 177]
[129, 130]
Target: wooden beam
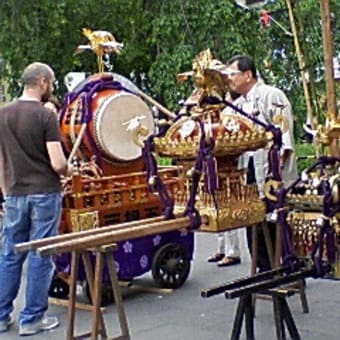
[301, 63]
[110, 237]
[328, 57]
[79, 305]
[32, 245]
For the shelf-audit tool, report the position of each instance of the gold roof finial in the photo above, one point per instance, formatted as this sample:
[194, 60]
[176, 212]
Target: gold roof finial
[101, 43]
[206, 80]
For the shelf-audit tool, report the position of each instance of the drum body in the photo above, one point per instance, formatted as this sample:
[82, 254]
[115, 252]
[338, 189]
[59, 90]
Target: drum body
[108, 134]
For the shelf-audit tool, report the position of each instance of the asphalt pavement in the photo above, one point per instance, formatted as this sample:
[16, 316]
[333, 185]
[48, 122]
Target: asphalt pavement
[183, 314]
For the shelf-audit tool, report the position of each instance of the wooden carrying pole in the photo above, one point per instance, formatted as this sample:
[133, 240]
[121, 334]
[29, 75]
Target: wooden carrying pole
[301, 63]
[113, 236]
[158, 105]
[328, 57]
[77, 143]
[32, 245]
[332, 114]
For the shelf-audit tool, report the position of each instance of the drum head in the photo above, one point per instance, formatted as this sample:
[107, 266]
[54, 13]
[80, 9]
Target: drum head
[114, 125]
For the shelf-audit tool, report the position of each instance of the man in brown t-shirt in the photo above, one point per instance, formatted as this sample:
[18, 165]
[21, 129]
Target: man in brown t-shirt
[31, 161]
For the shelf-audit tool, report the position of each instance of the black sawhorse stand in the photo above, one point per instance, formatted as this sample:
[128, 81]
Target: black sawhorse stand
[282, 315]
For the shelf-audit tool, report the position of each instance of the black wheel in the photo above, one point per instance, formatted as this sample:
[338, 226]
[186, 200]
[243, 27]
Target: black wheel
[107, 294]
[170, 266]
[59, 288]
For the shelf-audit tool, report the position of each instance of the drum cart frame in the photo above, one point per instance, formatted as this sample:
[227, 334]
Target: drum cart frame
[109, 200]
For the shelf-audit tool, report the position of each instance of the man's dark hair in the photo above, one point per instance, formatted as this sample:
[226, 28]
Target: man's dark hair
[244, 63]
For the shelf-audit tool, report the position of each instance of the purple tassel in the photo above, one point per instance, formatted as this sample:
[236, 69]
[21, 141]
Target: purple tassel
[211, 183]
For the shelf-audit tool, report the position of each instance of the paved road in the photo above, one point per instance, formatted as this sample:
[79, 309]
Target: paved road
[184, 315]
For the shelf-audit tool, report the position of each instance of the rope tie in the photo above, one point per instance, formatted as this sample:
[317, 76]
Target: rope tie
[155, 183]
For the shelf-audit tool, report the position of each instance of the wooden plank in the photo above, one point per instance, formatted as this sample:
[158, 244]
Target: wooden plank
[79, 305]
[151, 289]
[82, 243]
[328, 57]
[301, 63]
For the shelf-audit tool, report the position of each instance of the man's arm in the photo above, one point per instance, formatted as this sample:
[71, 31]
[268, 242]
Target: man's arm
[285, 155]
[2, 176]
[58, 159]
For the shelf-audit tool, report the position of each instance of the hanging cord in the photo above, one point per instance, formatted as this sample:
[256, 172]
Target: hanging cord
[155, 183]
[206, 163]
[288, 253]
[289, 257]
[327, 233]
[250, 117]
[274, 152]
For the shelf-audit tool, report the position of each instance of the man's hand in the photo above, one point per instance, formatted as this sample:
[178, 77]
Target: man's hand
[284, 157]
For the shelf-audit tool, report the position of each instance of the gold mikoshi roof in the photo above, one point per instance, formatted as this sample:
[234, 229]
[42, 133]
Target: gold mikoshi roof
[232, 134]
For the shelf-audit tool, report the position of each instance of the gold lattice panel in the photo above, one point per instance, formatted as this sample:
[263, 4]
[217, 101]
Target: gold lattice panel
[84, 220]
[235, 204]
[306, 231]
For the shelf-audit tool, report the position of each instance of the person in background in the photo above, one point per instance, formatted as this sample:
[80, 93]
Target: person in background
[53, 104]
[228, 243]
[31, 162]
[263, 102]
[228, 249]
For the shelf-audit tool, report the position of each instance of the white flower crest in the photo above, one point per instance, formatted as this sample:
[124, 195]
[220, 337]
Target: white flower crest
[128, 247]
[143, 261]
[157, 240]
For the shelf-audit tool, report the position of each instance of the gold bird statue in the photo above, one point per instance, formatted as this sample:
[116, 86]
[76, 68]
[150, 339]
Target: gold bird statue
[101, 42]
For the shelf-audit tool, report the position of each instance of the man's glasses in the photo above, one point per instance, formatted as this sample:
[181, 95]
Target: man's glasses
[230, 73]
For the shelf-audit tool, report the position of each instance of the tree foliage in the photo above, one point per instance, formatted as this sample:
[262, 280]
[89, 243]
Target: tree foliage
[161, 39]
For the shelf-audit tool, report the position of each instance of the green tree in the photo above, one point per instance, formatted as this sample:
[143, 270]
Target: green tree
[162, 38]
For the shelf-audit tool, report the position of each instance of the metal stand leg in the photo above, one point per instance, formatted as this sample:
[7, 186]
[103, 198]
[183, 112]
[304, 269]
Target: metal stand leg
[282, 316]
[255, 247]
[288, 318]
[244, 307]
[278, 317]
[303, 297]
[299, 286]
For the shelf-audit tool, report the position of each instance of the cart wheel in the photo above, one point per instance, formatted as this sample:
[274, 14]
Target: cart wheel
[170, 266]
[59, 288]
[107, 294]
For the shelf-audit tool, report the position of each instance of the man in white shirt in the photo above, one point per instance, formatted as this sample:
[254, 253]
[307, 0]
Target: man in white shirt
[263, 102]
